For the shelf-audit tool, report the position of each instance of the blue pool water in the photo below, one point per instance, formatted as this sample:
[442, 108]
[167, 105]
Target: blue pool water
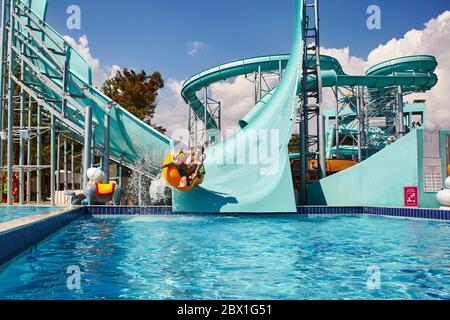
[248, 257]
[12, 213]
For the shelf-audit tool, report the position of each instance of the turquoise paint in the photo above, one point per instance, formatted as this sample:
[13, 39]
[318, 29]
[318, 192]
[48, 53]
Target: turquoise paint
[428, 200]
[378, 181]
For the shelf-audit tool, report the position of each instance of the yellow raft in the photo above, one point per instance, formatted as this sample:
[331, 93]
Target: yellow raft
[173, 176]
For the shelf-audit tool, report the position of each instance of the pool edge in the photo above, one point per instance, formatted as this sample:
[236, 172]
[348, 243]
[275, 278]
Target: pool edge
[27, 232]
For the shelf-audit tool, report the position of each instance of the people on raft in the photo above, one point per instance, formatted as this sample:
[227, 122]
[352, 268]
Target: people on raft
[189, 169]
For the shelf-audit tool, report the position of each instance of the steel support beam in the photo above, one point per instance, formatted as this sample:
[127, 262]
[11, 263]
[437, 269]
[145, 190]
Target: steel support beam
[21, 140]
[106, 153]
[72, 164]
[58, 163]
[11, 88]
[29, 149]
[39, 154]
[87, 144]
[400, 113]
[66, 165]
[3, 54]
[52, 159]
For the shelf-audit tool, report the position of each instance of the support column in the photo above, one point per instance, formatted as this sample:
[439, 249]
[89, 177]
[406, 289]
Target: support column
[11, 87]
[400, 113]
[338, 123]
[106, 153]
[38, 155]
[3, 53]
[87, 144]
[72, 164]
[52, 159]
[360, 123]
[22, 143]
[119, 170]
[30, 123]
[303, 164]
[66, 166]
[58, 163]
[206, 117]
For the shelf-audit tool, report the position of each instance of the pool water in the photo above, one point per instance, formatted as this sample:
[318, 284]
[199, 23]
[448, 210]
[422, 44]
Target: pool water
[247, 257]
[12, 213]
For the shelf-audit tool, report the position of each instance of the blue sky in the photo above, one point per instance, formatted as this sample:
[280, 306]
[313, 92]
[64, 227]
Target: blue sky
[154, 34]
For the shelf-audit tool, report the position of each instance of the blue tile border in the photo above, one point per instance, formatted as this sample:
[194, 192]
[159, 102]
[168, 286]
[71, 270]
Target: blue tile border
[429, 214]
[15, 241]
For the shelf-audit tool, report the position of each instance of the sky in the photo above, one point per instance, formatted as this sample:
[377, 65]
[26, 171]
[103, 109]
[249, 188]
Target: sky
[180, 38]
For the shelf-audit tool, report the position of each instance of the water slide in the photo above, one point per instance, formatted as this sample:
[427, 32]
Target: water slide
[131, 138]
[233, 187]
[250, 171]
[413, 73]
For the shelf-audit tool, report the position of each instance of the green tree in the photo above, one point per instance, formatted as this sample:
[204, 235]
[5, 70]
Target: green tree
[136, 92]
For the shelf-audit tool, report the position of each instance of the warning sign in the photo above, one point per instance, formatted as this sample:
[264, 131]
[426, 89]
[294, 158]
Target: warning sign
[411, 197]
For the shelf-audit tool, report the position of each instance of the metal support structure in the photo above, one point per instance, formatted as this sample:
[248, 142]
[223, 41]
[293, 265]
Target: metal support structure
[311, 102]
[87, 145]
[52, 159]
[400, 113]
[21, 138]
[72, 164]
[58, 163]
[29, 147]
[11, 88]
[3, 54]
[38, 155]
[66, 166]
[106, 153]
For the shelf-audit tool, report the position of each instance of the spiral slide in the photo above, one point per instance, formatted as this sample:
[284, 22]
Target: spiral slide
[242, 188]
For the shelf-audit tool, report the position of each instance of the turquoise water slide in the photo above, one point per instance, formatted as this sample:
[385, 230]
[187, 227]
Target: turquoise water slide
[250, 172]
[241, 188]
[130, 137]
[413, 73]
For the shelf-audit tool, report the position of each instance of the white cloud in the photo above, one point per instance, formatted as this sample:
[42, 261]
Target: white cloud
[194, 48]
[172, 112]
[99, 72]
[434, 39]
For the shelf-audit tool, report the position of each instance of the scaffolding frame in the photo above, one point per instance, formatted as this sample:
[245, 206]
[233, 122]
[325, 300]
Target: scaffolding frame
[21, 48]
[311, 102]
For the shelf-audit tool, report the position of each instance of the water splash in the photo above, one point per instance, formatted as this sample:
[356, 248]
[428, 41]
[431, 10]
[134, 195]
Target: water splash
[150, 192]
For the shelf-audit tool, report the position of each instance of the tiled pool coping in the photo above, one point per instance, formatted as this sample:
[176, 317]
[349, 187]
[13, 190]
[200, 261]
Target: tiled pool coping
[429, 214]
[16, 236]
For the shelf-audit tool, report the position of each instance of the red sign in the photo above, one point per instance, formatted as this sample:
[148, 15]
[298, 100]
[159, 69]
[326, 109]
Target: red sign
[411, 197]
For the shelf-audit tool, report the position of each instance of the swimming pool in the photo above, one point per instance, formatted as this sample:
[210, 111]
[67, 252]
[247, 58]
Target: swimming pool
[12, 213]
[246, 257]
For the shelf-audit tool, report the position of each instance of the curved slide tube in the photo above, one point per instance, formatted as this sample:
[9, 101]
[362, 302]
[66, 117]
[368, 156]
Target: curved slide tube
[413, 73]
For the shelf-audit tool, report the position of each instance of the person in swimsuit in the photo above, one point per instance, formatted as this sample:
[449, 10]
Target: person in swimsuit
[180, 163]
